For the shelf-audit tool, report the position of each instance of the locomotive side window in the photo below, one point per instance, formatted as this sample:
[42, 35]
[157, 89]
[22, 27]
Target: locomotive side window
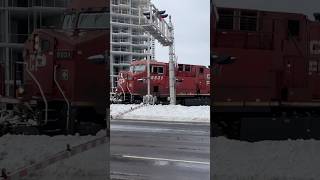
[157, 69]
[201, 70]
[137, 68]
[248, 21]
[187, 68]
[293, 28]
[180, 67]
[226, 19]
[45, 45]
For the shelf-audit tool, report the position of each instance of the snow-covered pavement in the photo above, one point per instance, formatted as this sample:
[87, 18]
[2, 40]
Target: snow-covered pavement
[89, 165]
[175, 113]
[17, 151]
[266, 160]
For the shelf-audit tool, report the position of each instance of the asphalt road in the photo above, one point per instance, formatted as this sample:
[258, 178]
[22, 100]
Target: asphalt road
[144, 150]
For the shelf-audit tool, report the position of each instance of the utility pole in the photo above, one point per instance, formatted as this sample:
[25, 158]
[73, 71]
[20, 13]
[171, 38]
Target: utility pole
[172, 77]
[154, 23]
[148, 68]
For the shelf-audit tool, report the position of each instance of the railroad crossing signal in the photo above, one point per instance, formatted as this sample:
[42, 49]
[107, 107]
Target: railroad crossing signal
[155, 24]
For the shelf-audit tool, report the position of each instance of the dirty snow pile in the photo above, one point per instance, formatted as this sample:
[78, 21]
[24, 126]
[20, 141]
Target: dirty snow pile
[164, 113]
[266, 160]
[17, 151]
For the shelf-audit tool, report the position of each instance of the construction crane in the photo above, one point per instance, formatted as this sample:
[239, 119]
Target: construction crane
[153, 21]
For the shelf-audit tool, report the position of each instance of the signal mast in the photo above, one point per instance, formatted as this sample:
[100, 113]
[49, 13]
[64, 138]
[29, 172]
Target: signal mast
[153, 22]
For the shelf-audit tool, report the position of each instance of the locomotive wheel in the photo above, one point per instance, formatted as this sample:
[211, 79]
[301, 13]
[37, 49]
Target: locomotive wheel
[228, 126]
[217, 130]
[86, 121]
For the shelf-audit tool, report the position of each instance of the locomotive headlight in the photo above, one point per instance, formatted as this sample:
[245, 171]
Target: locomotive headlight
[20, 90]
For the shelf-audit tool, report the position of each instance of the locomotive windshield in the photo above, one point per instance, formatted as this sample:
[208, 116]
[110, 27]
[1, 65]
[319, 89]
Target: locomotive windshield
[86, 20]
[69, 21]
[137, 68]
[93, 20]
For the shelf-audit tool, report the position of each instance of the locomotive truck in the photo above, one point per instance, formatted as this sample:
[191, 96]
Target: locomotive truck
[192, 83]
[272, 89]
[65, 75]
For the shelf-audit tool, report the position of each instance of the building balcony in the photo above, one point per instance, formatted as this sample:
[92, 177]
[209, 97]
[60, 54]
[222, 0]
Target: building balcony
[14, 38]
[34, 3]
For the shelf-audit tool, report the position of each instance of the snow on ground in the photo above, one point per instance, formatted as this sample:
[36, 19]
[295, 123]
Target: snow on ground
[90, 165]
[17, 151]
[165, 113]
[119, 108]
[266, 160]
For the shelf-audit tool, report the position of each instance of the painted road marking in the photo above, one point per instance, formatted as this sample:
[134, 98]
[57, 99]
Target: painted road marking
[164, 159]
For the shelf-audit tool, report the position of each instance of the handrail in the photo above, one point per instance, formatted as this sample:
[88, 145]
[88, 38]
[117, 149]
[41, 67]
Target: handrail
[64, 96]
[40, 88]
[124, 94]
[129, 91]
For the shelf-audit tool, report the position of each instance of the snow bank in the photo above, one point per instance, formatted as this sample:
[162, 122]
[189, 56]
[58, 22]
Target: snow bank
[118, 108]
[90, 165]
[17, 151]
[266, 160]
[165, 113]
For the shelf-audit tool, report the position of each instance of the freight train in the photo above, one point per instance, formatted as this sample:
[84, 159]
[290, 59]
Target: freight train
[192, 83]
[271, 88]
[65, 75]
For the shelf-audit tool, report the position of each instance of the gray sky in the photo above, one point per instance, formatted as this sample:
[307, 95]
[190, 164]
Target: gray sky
[192, 30]
[307, 7]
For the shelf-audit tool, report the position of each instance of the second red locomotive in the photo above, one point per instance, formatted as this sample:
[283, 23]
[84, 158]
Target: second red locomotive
[192, 83]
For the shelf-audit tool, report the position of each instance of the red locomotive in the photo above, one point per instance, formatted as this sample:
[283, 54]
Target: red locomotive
[272, 84]
[192, 84]
[65, 71]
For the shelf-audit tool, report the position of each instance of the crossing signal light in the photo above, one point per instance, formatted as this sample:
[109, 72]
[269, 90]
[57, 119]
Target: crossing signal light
[147, 14]
[162, 14]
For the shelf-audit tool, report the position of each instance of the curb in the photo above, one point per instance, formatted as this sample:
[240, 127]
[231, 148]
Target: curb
[118, 116]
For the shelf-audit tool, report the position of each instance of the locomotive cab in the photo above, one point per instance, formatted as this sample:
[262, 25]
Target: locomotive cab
[66, 72]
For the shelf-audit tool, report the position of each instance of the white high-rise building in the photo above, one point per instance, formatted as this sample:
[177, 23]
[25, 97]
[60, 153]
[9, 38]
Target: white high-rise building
[18, 19]
[128, 40]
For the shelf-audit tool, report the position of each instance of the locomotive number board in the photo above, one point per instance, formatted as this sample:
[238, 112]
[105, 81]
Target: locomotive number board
[156, 77]
[64, 54]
